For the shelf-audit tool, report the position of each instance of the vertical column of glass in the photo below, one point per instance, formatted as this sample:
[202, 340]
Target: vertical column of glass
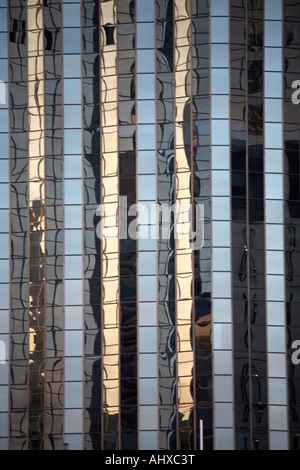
[184, 292]
[165, 199]
[73, 225]
[92, 241]
[238, 235]
[200, 138]
[256, 228]
[5, 230]
[110, 254]
[146, 197]
[54, 226]
[18, 225]
[221, 215]
[248, 226]
[291, 168]
[273, 122]
[128, 246]
[37, 223]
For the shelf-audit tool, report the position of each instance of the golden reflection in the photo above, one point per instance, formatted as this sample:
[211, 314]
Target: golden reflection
[37, 222]
[183, 200]
[110, 226]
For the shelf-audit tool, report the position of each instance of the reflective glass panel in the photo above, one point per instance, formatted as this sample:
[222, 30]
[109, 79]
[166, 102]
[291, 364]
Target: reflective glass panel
[145, 86]
[73, 421]
[73, 191]
[148, 365]
[222, 336]
[72, 69]
[145, 61]
[148, 417]
[73, 343]
[219, 7]
[273, 59]
[220, 132]
[73, 394]
[145, 35]
[273, 9]
[219, 30]
[223, 415]
[148, 391]
[71, 15]
[273, 33]
[219, 55]
[147, 339]
[276, 339]
[146, 188]
[273, 84]
[71, 40]
[73, 292]
[223, 388]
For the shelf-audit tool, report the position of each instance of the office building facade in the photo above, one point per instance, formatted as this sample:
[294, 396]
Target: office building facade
[115, 332]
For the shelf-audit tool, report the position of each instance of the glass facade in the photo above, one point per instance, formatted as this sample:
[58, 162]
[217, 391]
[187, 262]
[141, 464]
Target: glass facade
[149, 218]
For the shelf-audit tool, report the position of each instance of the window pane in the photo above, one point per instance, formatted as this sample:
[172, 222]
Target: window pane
[73, 421]
[145, 10]
[219, 55]
[145, 35]
[146, 111]
[146, 188]
[145, 86]
[148, 339]
[71, 40]
[145, 61]
[73, 290]
[72, 116]
[273, 59]
[148, 365]
[273, 85]
[273, 110]
[148, 418]
[223, 388]
[219, 30]
[73, 191]
[223, 415]
[219, 81]
[220, 132]
[72, 69]
[73, 343]
[273, 9]
[71, 15]
[148, 391]
[219, 7]
[276, 339]
[222, 285]
[222, 336]
[273, 135]
[73, 394]
[273, 33]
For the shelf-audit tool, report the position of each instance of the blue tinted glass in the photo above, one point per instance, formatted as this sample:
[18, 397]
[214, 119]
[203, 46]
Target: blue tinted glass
[73, 141]
[219, 30]
[145, 35]
[72, 69]
[71, 15]
[3, 44]
[72, 116]
[72, 89]
[145, 61]
[72, 42]
[3, 20]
